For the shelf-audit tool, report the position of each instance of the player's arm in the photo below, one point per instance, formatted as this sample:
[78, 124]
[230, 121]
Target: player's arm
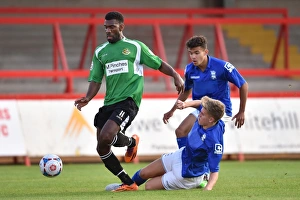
[240, 116]
[154, 62]
[185, 104]
[236, 78]
[95, 78]
[213, 162]
[243, 96]
[214, 159]
[182, 97]
[92, 91]
[166, 69]
[213, 177]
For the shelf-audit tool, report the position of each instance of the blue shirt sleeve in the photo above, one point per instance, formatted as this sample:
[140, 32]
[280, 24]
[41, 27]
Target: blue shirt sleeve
[214, 161]
[233, 75]
[215, 150]
[188, 83]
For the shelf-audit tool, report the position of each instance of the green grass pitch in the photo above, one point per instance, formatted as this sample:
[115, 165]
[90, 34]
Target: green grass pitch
[237, 180]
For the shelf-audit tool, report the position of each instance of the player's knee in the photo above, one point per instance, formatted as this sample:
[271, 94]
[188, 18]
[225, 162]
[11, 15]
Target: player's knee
[106, 139]
[102, 150]
[103, 144]
[98, 150]
[148, 186]
[180, 132]
[143, 173]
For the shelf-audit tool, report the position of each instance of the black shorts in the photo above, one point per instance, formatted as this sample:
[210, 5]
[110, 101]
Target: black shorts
[123, 113]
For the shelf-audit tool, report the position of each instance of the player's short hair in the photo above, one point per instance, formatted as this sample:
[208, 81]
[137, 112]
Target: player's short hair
[214, 107]
[115, 15]
[197, 41]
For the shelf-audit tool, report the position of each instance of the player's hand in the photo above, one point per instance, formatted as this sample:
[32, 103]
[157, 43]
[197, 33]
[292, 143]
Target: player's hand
[180, 104]
[167, 116]
[179, 84]
[207, 189]
[81, 102]
[239, 119]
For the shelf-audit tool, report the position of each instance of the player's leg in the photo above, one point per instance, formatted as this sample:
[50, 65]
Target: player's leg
[111, 162]
[184, 128]
[154, 184]
[153, 170]
[170, 180]
[107, 129]
[124, 115]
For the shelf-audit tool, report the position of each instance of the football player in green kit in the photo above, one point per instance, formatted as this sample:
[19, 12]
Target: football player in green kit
[120, 60]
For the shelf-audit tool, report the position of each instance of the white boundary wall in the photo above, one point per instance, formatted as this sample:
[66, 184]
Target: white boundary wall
[11, 134]
[38, 127]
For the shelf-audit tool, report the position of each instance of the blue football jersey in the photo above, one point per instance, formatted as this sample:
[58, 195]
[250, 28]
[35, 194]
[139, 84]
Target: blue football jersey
[213, 81]
[204, 148]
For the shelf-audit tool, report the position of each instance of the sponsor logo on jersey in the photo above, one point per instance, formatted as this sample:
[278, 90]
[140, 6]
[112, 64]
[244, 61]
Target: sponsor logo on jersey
[117, 67]
[229, 67]
[218, 149]
[92, 66]
[126, 52]
[195, 77]
[213, 75]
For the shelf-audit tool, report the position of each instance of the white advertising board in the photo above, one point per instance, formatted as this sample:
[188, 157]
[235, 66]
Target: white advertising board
[11, 136]
[272, 126]
[55, 126]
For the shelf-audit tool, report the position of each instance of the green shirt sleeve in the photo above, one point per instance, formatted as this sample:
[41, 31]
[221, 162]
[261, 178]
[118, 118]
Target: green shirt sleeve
[148, 58]
[96, 70]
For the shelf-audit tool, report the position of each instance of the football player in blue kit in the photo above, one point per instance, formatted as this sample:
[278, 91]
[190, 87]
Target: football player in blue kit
[186, 167]
[208, 76]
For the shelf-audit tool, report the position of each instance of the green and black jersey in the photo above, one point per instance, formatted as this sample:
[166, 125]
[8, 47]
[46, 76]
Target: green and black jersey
[122, 65]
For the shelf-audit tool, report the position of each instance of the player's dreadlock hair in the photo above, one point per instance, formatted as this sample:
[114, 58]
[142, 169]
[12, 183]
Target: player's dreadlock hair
[115, 15]
[197, 41]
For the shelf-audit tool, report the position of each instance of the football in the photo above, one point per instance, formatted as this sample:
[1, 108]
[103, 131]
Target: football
[51, 165]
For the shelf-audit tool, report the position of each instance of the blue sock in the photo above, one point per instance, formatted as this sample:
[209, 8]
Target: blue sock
[137, 179]
[181, 142]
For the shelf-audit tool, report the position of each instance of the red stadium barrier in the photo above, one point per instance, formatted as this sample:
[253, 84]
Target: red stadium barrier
[181, 17]
[70, 74]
